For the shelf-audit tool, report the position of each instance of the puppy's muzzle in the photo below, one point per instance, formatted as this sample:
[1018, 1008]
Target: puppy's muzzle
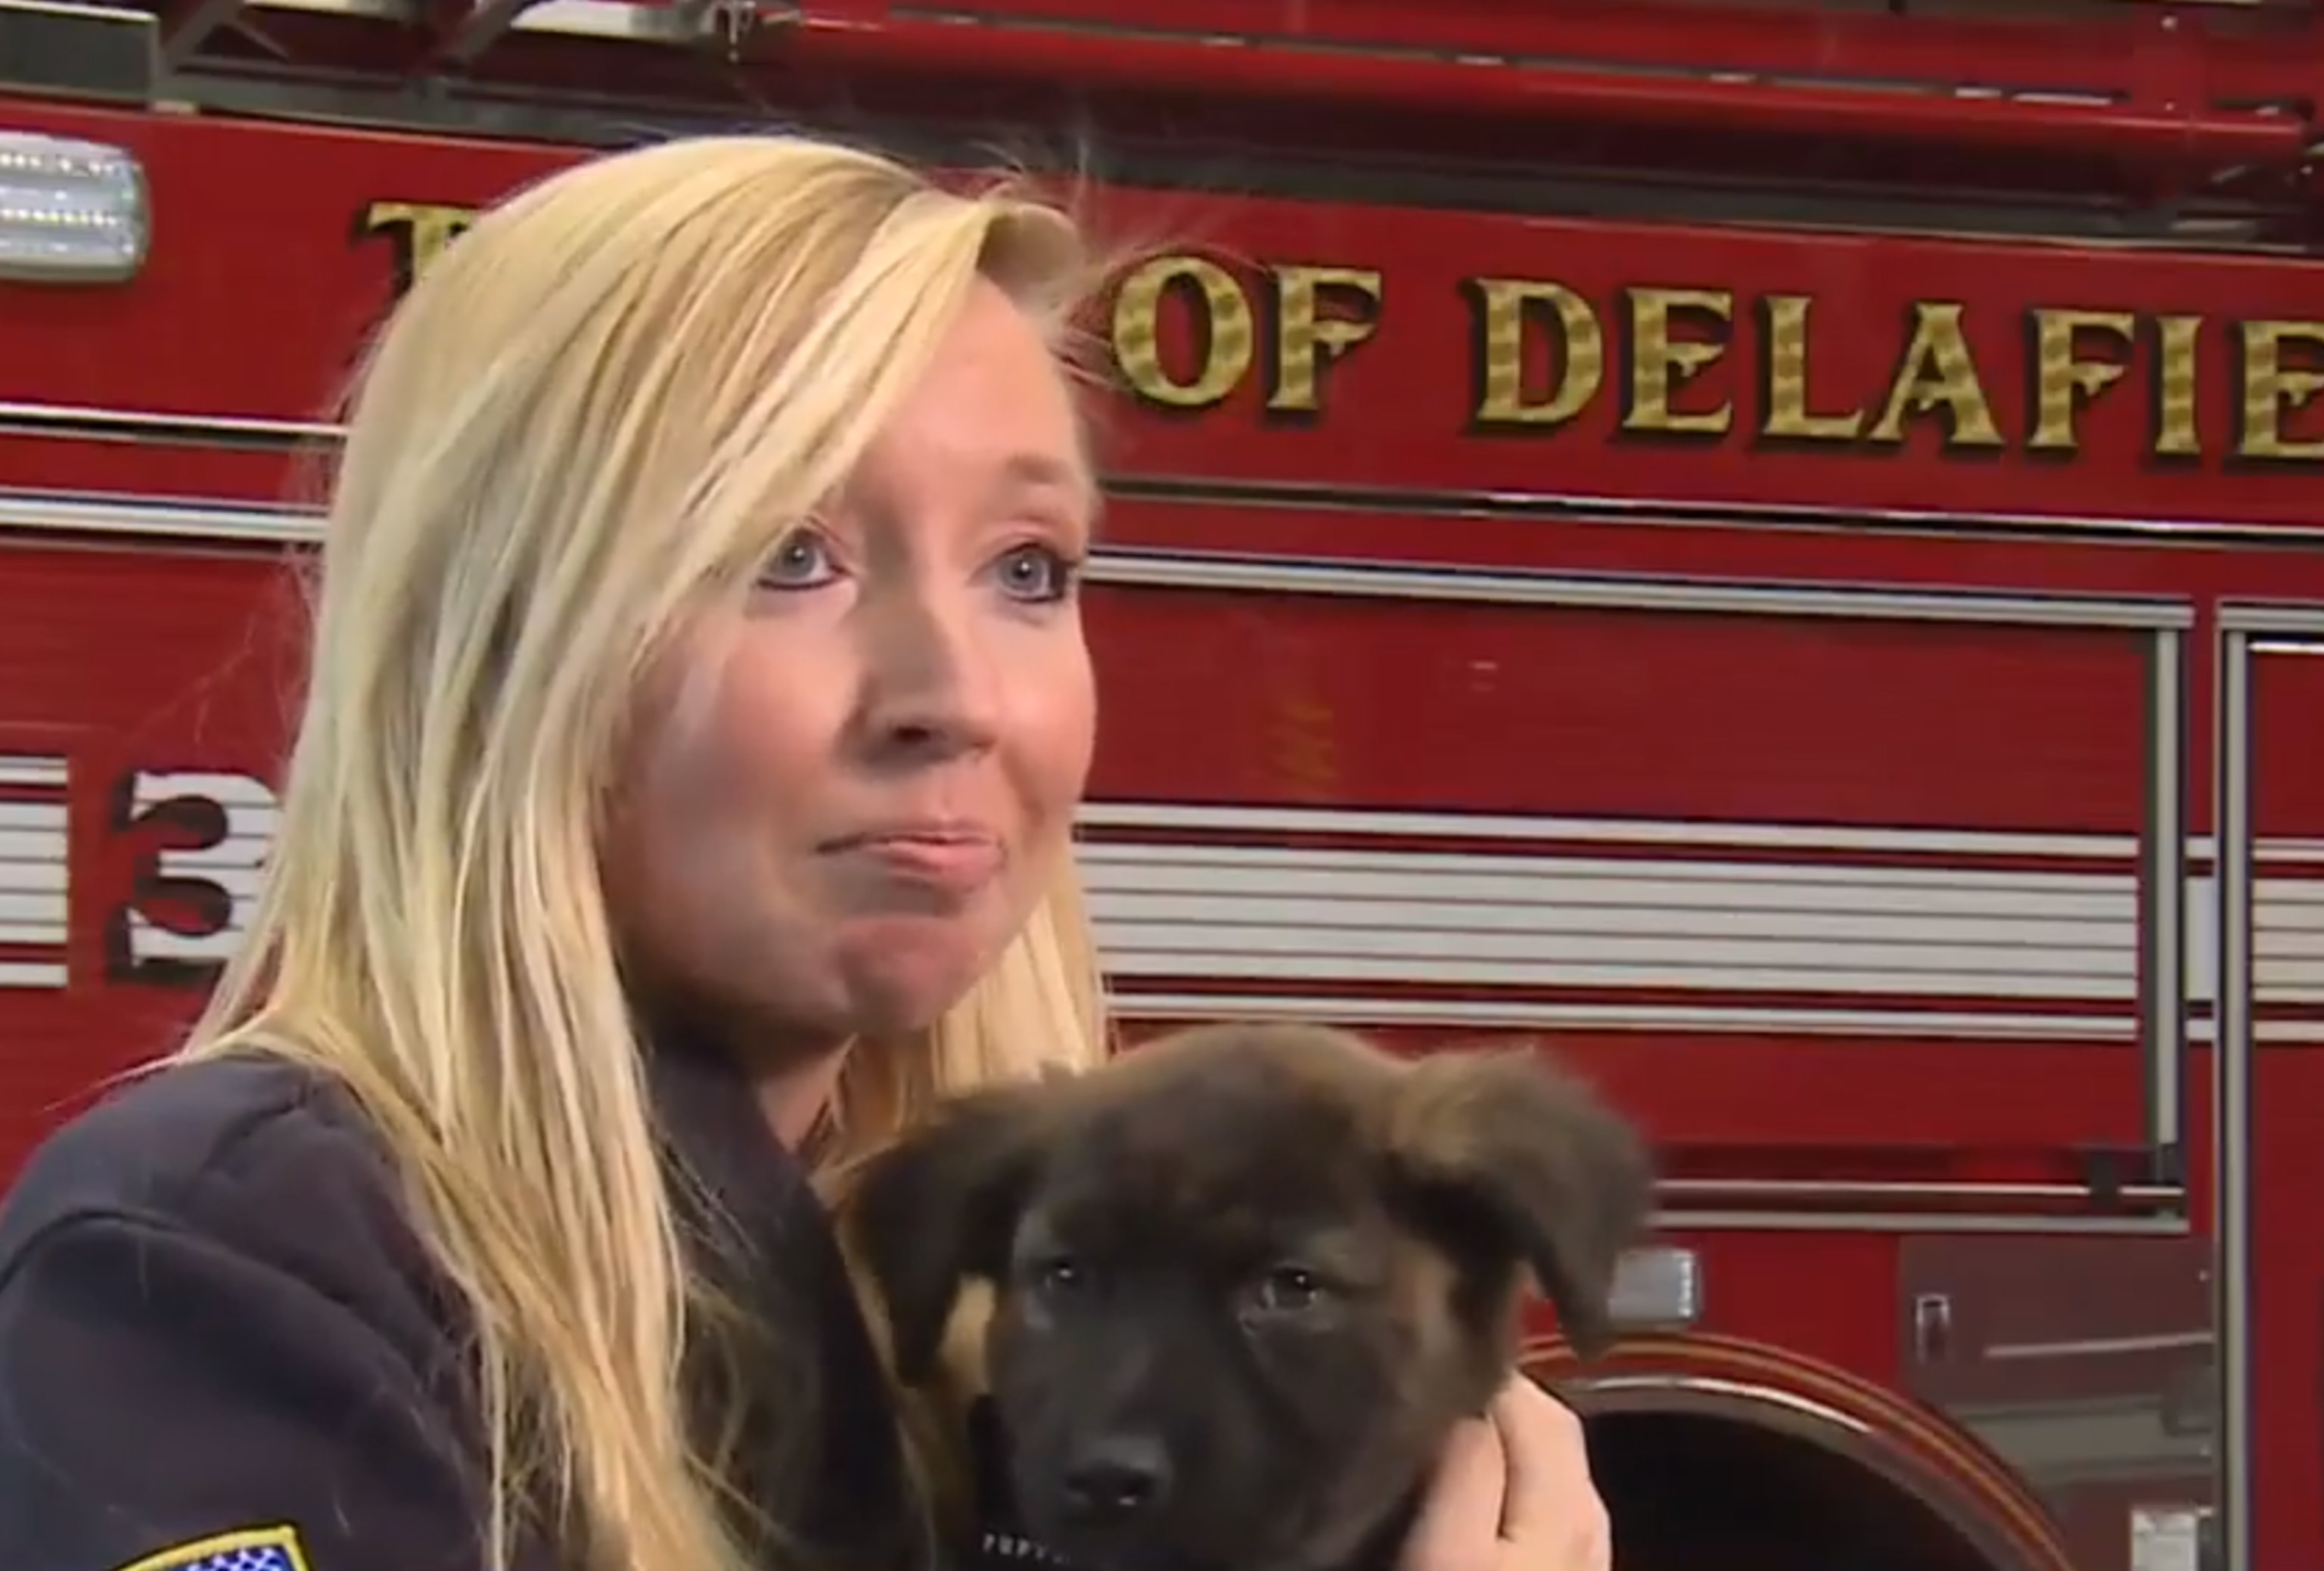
[1113, 1480]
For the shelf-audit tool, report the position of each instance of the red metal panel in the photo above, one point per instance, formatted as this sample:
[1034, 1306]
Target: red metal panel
[96, 654]
[2137, 98]
[2177, 135]
[2129, 51]
[1398, 409]
[1662, 716]
[281, 253]
[261, 248]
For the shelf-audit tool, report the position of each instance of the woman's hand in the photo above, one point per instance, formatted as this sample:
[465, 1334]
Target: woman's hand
[1512, 1492]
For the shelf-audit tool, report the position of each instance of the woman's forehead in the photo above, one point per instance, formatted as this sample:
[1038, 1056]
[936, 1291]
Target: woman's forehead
[995, 413]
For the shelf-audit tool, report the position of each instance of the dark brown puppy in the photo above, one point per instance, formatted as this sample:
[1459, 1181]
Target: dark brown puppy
[1248, 1277]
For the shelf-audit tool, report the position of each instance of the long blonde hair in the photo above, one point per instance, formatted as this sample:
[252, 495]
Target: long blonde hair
[595, 415]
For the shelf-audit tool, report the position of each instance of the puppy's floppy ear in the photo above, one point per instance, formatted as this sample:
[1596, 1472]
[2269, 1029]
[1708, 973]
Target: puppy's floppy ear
[940, 1206]
[1523, 1163]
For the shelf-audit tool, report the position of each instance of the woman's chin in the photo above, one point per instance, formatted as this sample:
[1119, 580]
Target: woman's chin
[908, 982]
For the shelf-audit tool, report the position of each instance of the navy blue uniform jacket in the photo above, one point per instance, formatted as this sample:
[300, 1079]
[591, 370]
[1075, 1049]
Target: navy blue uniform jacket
[222, 1346]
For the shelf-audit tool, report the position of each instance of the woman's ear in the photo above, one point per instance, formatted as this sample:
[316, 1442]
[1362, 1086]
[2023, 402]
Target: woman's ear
[940, 1207]
[1515, 1162]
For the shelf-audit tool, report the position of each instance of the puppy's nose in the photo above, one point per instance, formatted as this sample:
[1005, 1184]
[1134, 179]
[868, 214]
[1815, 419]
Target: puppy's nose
[1118, 1476]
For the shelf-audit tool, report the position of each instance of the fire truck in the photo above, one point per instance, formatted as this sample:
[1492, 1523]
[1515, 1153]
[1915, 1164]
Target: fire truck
[1778, 549]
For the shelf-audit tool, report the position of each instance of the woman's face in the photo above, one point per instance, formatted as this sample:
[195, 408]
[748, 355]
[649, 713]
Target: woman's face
[844, 802]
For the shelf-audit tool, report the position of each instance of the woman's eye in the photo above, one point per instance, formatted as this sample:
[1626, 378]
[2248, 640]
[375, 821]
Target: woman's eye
[802, 560]
[1035, 572]
[1287, 1289]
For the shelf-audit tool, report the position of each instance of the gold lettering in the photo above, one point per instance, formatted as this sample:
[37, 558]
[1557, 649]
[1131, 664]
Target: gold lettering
[2175, 432]
[417, 231]
[1188, 336]
[1227, 339]
[1788, 417]
[1661, 364]
[1306, 747]
[1306, 340]
[2270, 391]
[2062, 384]
[1502, 307]
[1937, 368]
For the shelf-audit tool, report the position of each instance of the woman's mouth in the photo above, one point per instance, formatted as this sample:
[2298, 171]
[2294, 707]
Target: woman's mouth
[951, 857]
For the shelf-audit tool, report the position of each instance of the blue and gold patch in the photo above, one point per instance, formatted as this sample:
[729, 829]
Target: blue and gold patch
[251, 1549]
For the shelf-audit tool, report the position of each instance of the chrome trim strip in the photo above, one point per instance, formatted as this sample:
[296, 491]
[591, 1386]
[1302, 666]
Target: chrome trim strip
[2243, 625]
[2300, 619]
[2162, 892]
[72, 422]
[1930, 1191]
[1747, 1391]
[1192, 570]
[138, 518]
[98, 422]
[2231, 1073]
[1920, 1222]
[1286, 575]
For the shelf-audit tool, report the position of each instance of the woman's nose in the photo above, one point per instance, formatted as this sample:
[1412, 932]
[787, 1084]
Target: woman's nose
[929, 683]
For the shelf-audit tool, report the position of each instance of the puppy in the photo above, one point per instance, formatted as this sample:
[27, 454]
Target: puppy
[1247, 1278]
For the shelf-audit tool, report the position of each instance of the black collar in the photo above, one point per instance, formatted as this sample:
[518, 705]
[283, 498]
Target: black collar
[821, 1451]
[713, 1132]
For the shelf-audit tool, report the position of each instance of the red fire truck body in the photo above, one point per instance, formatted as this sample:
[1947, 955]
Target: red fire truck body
[1846, 689]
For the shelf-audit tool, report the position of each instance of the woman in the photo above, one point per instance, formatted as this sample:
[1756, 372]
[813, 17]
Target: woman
[697, 712]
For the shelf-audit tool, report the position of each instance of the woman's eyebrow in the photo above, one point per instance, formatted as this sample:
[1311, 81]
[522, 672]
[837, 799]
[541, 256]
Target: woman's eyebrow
[1032, 470]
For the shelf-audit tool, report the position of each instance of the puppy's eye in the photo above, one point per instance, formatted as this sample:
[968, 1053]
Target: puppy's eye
[1059, 1275]
[1288, 1290]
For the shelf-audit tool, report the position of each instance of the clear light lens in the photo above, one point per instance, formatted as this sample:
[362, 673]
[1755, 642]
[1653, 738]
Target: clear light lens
[70, 212]
[1657, 1289]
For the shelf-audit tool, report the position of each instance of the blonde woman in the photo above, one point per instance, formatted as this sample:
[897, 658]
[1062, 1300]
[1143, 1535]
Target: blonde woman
[697, 712]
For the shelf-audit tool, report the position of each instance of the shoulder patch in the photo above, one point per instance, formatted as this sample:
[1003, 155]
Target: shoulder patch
[250, 1549]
